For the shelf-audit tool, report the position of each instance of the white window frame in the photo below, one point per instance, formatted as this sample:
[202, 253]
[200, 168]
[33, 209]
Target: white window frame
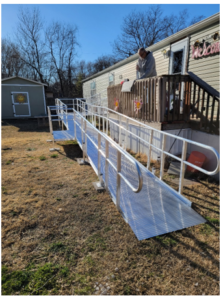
[28, 103]
[93, 89]
[113, 81]
[181, 45]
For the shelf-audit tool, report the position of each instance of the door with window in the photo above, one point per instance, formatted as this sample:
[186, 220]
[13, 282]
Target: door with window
[178, 59]
[20, 104]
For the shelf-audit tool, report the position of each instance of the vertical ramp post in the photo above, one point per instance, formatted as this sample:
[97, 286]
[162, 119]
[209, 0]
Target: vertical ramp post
[75, 133]
[83, 108]
[85, 139]
[99, 121]
[50, 120]
[162, 157]
[118, 180]
[94, 123]
[66, 118]
[103, 120]
[120, 130]
[126, 133]
[139, 130]
[106, 163]
[99, 186]
[82, 132]
[99, 156]
[150, 148]
[107, 126]
[182, 167]
[62, 112]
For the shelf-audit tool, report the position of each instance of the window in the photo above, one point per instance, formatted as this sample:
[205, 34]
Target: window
[20, 98]
[93, 88]
[177, 61]
[111, 79]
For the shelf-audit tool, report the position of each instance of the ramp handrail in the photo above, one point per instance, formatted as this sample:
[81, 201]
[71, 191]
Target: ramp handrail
[105, 154]
[120, 151]
[164, 135]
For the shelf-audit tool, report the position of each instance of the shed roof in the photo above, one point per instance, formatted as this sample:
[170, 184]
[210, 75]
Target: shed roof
[163, 43]
[33, 81]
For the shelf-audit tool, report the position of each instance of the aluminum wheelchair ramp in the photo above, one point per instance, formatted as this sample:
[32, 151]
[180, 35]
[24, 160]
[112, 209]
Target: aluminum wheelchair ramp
[147, 204]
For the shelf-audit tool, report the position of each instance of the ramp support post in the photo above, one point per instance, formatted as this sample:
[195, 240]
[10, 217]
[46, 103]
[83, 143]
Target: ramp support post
[107, 126]
[126, 133]
[99, 155]
[182, 167]
[99, 186]
[118, 180]
[103, 120]
[162, 157]
[50, 120]
[75, 133]
[150, 148]
[106, 163]
[81, 131]
[120, 130]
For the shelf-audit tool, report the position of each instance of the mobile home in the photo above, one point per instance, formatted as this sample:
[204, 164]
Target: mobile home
[183, 98]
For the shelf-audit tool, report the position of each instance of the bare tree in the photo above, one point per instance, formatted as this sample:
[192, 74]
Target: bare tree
[103, 62]
[145, 29]
[61, 42]
[29, 41]
[180, 21]
[87, 69]
[11, 59]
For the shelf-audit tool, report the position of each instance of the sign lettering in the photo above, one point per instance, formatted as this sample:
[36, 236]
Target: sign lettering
[205, 51]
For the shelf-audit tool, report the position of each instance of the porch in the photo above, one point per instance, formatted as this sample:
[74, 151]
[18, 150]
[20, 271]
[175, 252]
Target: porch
[168, 102]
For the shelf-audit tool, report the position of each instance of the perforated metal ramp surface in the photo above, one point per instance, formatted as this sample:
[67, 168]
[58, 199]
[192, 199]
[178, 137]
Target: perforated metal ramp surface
[155, 210]
[68, 133]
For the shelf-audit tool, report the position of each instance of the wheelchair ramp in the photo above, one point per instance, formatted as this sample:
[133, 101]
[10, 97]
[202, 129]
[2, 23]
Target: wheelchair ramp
[153, 211]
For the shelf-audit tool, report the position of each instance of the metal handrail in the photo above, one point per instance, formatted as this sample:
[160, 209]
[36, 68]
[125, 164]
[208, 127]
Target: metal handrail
[108, 141]
[164, 134]
[121, 151]
[104, 115]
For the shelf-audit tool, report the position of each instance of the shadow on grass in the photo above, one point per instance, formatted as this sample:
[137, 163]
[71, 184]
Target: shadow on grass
[160, 240]
[27, 125]
[71, 149]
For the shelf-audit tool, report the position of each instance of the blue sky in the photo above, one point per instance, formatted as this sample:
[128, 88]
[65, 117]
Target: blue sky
[98, 24]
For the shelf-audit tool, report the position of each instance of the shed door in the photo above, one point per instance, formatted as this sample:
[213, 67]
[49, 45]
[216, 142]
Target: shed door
[20, 103]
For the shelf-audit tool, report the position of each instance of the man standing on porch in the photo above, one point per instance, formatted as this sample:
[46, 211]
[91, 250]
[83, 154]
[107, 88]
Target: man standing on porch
[145, 66]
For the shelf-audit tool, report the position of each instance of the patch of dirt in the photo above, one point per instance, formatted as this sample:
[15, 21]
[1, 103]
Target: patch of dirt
[54, 222]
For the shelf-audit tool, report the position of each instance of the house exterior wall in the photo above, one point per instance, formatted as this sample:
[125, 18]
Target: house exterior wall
[36, 97]
[206, 68]
[127, 71]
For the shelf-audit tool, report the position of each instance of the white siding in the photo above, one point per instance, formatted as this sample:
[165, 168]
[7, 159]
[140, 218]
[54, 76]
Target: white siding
[206, 68]
[127, 71]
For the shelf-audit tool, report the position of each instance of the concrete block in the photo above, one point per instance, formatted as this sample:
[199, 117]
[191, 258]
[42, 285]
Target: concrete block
[98, 186]
[174, 168]
[82, 161]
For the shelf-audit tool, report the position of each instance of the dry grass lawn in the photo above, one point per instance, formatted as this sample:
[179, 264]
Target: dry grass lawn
[61, 237]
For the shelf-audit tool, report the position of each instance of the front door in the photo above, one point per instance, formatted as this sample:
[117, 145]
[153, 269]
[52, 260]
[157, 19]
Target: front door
[178, 59]
[20, 103]
[178, 56]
